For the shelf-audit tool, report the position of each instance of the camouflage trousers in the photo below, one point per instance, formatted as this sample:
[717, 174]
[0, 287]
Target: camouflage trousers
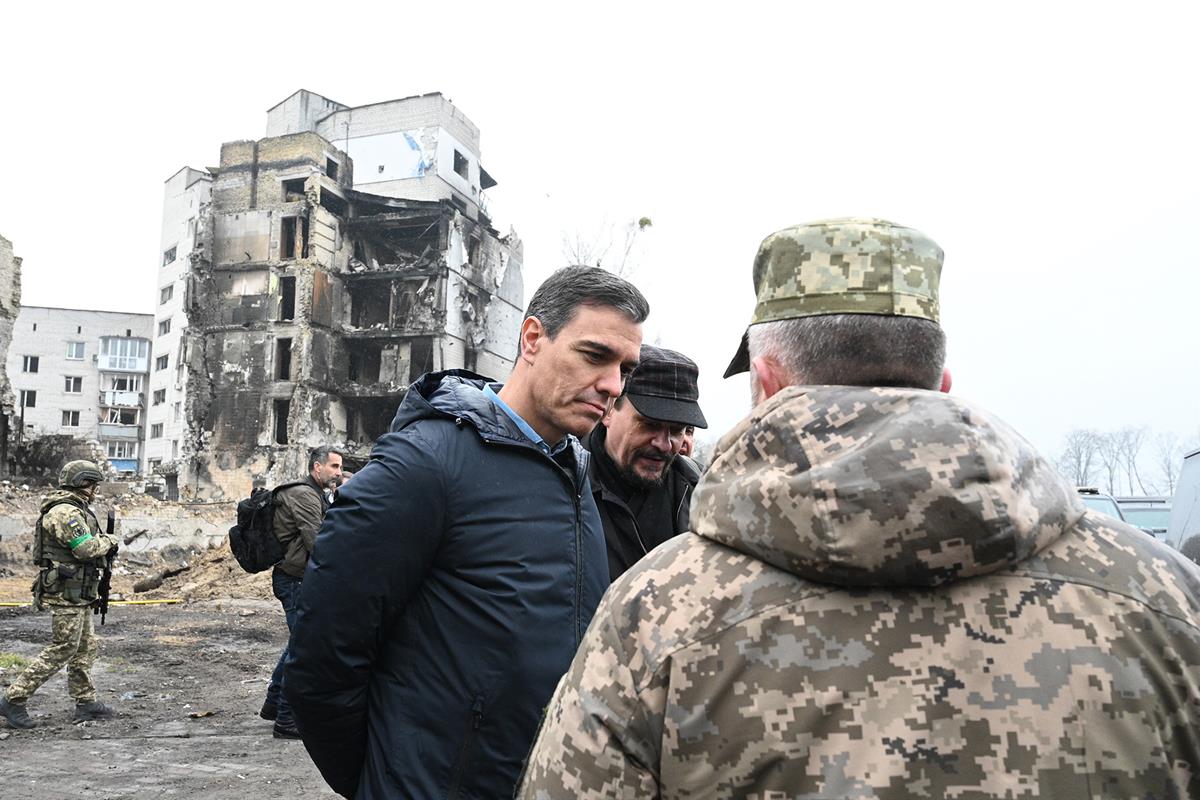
[74, 647]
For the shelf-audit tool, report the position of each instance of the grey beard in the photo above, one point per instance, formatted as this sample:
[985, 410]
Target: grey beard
[637, 481]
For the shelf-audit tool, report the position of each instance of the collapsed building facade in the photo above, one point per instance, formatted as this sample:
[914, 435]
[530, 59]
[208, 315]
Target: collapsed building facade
[10, 306]
[311, 305]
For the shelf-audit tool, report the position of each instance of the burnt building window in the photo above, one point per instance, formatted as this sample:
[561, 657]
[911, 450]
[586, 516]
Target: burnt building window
[369, 418]
[287, 299]
[363, 364]
[422, 356]
[370, 306]
[283, 359]
[331, 169]
[293, 190]
[462, 166]
[293, 238]
[281, 408]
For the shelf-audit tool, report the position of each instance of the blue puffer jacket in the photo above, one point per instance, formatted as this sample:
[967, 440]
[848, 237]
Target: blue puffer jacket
[450, 585]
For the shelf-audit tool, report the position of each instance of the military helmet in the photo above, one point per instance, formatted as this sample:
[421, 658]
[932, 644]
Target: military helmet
[78, 474]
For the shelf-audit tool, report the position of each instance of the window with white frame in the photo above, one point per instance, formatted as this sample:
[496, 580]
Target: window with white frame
[28, 398]
[124, 352]
[122, 383]
[73, 384]
[164, 327]
[70, 419]
[156, 430]
[160, 397]
[168, 256]
[75, 351]
[165, 294]
[160, 363]
[29, 363]
[121, 449]
[122, 416]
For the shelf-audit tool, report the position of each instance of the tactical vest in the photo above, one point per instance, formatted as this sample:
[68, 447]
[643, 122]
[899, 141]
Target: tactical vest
[62, 573]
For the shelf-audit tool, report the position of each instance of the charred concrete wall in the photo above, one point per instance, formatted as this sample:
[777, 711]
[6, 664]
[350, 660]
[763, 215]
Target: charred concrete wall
[10, 306]
[314, 306]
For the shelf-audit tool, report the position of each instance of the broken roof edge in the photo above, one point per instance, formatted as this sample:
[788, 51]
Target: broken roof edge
[385, 102]
[391, 202]
[204, 173]
[307, 91]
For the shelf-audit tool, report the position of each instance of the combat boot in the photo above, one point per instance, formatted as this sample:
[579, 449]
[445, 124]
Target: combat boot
[269, 711]
[93, 709]
[16, 714]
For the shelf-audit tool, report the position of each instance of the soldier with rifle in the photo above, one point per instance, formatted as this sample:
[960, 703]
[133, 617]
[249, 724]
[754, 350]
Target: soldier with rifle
[75, 563]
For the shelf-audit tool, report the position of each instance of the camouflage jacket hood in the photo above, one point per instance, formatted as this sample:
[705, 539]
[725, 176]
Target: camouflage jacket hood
[880, 487]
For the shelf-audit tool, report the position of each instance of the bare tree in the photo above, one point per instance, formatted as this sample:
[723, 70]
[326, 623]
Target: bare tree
[1108, 449]
[1129, 442]
[603, 249]
[1168, 457]
[1077, 462]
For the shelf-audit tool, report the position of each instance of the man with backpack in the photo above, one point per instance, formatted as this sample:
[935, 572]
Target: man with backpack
[299, 509]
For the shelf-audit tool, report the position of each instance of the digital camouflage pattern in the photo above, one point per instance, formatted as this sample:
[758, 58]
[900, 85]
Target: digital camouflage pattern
[847, 266]
[74, 646]
[64, 523]
[851, 265]
[888, 594]
[80, 473]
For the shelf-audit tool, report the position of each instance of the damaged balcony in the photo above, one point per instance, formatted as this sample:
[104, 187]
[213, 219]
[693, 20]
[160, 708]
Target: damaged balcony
[375, 369]
[378, 306]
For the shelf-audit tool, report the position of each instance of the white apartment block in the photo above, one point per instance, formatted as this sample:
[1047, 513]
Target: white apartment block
[185, 197]
[84, 374]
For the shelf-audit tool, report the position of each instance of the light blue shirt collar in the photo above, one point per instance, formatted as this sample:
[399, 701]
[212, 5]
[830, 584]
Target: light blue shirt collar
[490, 391]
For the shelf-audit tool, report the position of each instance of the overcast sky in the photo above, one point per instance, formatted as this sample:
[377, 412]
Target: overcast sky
[1050, 149]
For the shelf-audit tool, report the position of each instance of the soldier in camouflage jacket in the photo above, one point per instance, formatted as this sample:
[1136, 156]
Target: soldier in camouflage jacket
[886, 594]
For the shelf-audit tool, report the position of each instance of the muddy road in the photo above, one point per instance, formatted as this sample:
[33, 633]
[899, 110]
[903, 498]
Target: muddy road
[187, 682]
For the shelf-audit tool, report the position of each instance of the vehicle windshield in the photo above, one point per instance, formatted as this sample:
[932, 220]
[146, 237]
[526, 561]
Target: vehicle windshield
[1148, 517]
[1105, 505]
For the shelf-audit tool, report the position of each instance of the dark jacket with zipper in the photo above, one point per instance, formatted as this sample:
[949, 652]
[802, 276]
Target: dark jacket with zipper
[452, 582]
[627, 541]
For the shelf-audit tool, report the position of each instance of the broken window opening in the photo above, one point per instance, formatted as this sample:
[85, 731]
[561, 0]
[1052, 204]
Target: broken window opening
[283, 359]
[293, 190]
[331, 169]
[462, 166]
[422, 357]
[287, 299]
[370, 307]
[363, 365]
[473, 252]
[121, 416]
[282, 409]
[293, 238]
[369, 418]
[360, 253]
[333, 203]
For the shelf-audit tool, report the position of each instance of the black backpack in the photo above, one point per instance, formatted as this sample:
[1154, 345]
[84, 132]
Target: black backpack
[252, 539]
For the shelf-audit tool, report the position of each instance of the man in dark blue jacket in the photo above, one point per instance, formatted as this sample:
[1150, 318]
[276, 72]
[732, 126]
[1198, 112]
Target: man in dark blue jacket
[454, 578]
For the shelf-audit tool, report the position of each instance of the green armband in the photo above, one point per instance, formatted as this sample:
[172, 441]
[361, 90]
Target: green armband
[78, 540]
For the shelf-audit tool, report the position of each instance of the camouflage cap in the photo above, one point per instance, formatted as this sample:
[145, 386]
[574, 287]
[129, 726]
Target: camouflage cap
[852, 265]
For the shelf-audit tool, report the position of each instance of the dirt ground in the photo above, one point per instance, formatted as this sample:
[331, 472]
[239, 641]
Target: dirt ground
[187, 682]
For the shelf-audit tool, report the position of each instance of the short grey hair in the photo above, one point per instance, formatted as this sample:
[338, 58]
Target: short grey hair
[854, 349]
[320, 455]
[560, 296]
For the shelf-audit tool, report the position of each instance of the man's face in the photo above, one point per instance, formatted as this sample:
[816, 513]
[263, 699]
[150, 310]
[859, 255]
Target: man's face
[89, 491]
[642, 448]
[689, 440]
[574, 375]
[328, 474]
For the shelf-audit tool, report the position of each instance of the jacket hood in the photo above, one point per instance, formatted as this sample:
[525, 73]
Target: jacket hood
[59, 495]
[455, 394]
[880, 487]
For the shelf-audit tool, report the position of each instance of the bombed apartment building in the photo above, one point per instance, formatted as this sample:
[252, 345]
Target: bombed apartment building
[10, 306]
[312, 305]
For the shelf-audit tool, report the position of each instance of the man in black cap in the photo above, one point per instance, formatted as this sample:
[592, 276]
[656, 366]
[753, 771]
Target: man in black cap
[641, 483]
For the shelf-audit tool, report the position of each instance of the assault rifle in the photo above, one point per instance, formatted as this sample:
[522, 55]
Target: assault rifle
[105, 587]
